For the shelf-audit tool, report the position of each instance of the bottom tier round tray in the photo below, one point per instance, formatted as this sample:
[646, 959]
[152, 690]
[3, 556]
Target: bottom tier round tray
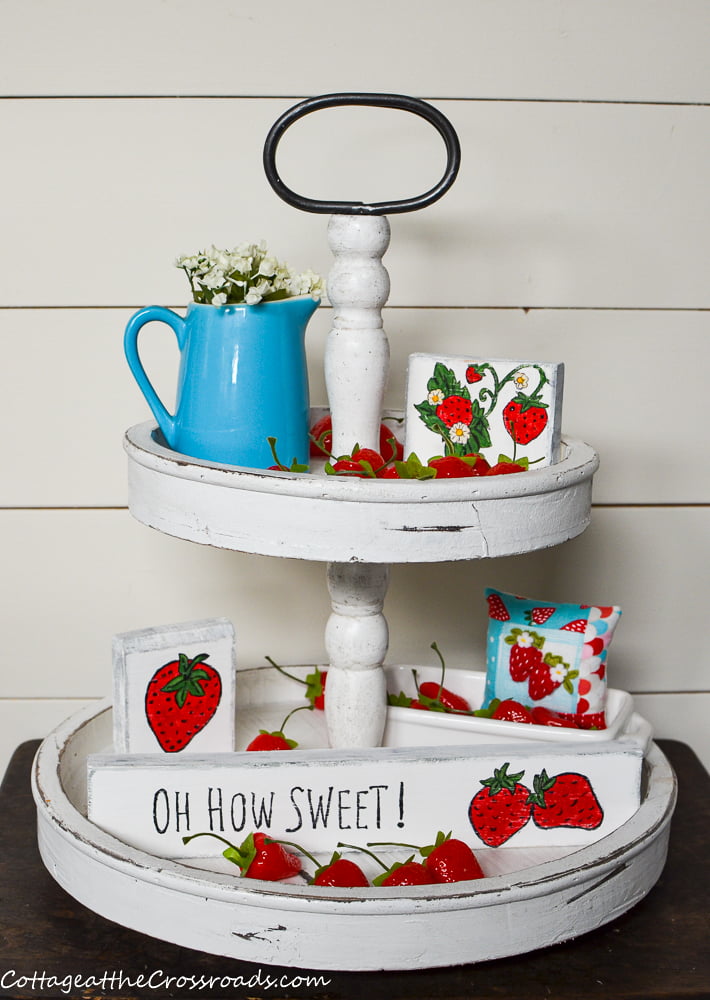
[530, 898]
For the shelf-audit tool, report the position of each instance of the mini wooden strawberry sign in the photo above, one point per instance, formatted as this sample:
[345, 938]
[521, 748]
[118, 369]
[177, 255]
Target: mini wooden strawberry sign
[537, 796]
[174, 688]
[505, 410]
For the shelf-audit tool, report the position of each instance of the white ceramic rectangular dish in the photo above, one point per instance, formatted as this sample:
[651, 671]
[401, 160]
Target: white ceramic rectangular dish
[412, 727]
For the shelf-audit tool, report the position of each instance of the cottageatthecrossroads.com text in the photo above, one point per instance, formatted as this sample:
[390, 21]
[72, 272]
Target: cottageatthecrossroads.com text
[117, 982]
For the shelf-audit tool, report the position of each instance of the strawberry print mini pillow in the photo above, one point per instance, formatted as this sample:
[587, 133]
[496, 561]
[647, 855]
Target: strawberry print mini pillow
[551, 655]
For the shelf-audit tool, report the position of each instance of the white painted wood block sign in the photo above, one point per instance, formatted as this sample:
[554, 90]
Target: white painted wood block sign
[462, 405]
[486, 796]
[174, 689]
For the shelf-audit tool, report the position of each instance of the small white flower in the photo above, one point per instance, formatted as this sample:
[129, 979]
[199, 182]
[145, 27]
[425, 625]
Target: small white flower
[525, 640]
[435, 397]
[521, 381]
[215, 279]
[558, 673]
[248, 273]
[460, 433]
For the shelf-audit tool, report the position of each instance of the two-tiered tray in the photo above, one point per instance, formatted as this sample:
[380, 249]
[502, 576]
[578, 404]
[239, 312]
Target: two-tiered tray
[531, 896]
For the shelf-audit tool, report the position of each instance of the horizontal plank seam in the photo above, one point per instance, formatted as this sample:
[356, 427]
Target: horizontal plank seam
[469, 308]
[632, 505]
[631, 102]
[95, 697]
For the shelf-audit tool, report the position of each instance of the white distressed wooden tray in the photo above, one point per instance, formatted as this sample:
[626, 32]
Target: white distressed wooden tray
[531, 897]
[343, 520]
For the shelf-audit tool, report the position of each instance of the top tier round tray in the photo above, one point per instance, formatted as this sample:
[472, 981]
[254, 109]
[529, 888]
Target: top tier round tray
[338, 519]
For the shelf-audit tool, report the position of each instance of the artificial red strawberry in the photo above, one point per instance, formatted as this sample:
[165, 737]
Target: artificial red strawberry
[271, 741]
[449, 699]
[538, 616]
[340, 872]
[408, 872]
[451, 860]
[451, 467]
[501, 808]
[403, 700]
[542, 716]
[258, 856]
[181, 698]
[565, 800]
[276, 740]
[510, 710]
[479, 464]
[348, 467]
[455, 410]
[586, 720]
[321, 435]
[505, 469]
[525, 418]
[446, 860]
[314, 683]
[497, 609]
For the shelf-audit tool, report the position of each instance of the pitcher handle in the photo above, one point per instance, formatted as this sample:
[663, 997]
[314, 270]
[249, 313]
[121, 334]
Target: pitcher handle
[166, 421]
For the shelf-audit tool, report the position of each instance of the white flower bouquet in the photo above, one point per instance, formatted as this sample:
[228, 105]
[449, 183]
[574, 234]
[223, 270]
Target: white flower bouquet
[246, 275]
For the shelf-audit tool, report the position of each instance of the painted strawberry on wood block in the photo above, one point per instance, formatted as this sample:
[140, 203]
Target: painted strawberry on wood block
[501, 808]
[565, 800]
[181, 698]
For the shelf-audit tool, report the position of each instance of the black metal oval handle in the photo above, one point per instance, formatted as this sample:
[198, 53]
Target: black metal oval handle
[397, 101]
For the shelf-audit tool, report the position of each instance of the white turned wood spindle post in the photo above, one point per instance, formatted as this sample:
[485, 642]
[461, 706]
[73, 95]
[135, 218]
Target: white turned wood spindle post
[357, 351]
[356, 640]
[356, 369]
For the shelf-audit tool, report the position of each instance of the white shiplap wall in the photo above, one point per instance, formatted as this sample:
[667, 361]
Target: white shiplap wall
[577, 231]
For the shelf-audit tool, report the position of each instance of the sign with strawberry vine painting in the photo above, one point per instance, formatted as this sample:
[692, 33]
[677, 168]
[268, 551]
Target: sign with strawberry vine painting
[486, 796]
[508, 411]
[174, 688]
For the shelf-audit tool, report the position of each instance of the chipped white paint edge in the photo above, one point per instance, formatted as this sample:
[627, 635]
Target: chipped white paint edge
[337, 519]
[271, 923]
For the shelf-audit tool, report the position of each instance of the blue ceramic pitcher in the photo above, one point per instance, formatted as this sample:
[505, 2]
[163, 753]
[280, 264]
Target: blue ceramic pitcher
[242, 379]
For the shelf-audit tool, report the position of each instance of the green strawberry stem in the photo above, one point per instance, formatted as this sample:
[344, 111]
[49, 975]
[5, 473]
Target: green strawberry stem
[295, 466]
[206, 833]
[300, 708]
[441, 838]
[285, 672]
[443, 666]
[289, 843]
[355, 847]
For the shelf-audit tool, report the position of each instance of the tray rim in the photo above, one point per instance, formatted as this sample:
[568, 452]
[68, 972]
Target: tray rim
[579, 463]
[58, 813]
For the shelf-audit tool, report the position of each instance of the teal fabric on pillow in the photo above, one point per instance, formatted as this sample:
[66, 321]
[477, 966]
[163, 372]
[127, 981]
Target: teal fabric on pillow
[551, 654]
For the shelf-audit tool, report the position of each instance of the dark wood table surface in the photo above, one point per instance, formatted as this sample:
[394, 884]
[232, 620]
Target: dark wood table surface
[657, 950]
